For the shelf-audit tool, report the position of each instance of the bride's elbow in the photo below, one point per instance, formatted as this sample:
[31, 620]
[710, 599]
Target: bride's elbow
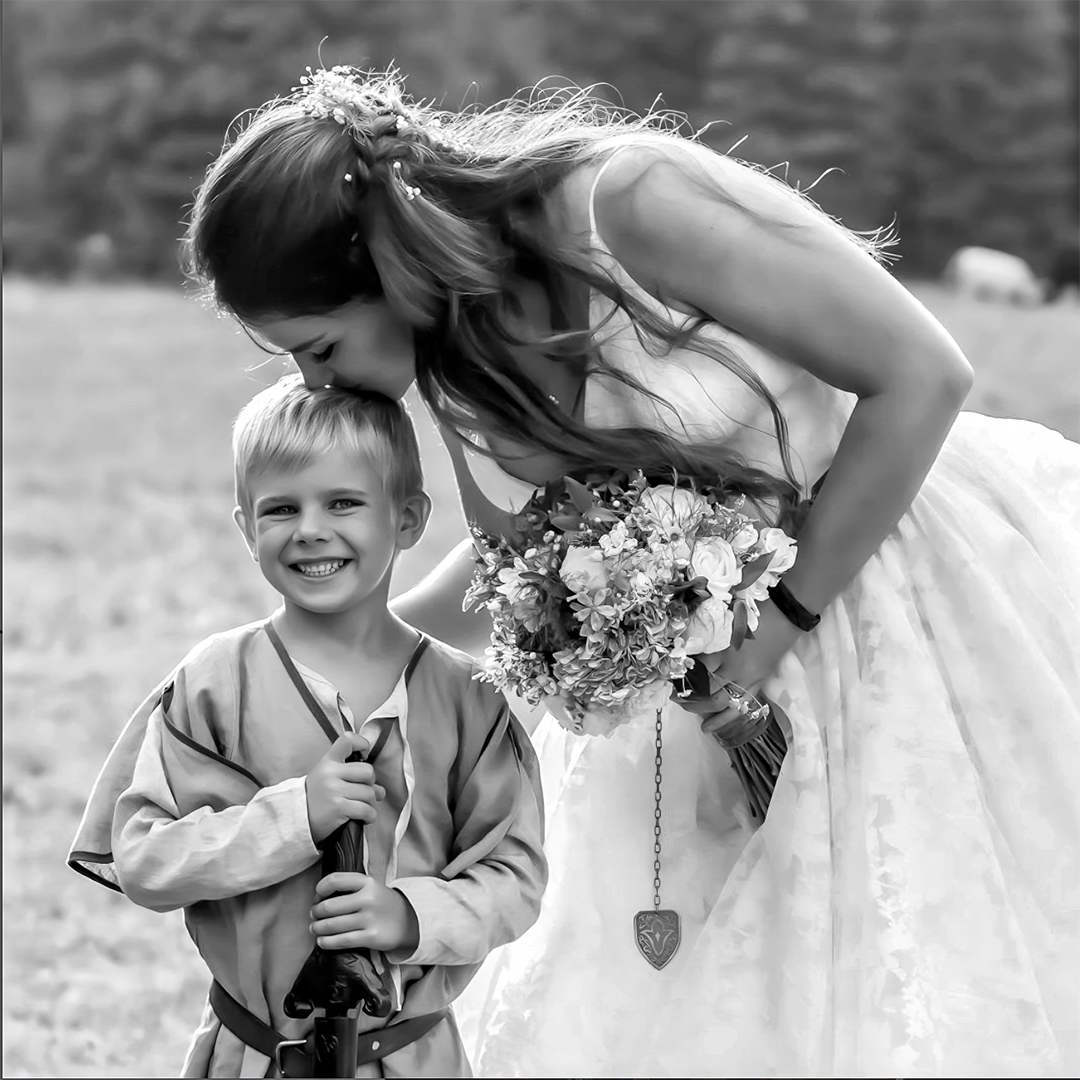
[927, 387]
[956, 378]
[938, 380]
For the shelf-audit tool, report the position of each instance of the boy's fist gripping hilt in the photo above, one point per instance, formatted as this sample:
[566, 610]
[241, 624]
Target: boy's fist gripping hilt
[334, 983]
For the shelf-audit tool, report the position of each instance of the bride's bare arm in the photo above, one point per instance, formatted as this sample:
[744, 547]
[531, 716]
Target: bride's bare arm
[434, 605]
[761, 262]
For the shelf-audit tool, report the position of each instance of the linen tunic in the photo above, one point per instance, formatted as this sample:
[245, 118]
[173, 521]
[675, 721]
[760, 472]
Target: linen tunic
[201, 805]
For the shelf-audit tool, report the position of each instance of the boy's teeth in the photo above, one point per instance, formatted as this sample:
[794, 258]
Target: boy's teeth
[320, 569]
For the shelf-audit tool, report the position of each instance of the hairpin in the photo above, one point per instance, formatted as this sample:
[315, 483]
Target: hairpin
[410, 192]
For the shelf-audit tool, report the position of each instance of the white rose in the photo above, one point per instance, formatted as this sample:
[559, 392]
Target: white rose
[709, 628]
[745, 540]
[583, 568]
[783, 550]
[713, 559]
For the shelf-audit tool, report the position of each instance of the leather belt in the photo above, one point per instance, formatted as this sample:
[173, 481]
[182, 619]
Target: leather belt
[293, 1056]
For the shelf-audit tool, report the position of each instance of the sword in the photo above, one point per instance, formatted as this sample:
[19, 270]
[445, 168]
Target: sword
[334, 985]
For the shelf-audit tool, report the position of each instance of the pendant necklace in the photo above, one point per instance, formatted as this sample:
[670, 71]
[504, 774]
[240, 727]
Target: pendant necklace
[657, 931]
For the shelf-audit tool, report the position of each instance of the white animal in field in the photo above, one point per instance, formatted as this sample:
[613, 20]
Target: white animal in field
[986, 274]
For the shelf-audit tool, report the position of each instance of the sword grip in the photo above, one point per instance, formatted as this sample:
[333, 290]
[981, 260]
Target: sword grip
[335, 1046]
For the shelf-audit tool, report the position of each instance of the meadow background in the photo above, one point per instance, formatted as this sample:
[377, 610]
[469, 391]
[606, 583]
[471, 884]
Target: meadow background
[957, 119]
[121, 554]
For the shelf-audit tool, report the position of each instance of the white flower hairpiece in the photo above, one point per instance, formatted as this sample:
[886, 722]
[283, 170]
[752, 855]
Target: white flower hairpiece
[342, 93]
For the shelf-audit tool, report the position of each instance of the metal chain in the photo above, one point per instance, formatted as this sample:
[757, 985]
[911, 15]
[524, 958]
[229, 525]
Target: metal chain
[656, 812]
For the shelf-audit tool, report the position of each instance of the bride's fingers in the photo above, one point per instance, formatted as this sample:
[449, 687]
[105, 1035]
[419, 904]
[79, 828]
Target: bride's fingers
[700, 704]
[718, 720]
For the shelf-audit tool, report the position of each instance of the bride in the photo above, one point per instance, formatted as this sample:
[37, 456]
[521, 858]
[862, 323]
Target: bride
[569, 286]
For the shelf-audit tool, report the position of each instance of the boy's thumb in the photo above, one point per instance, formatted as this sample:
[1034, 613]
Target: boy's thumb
[348, 744]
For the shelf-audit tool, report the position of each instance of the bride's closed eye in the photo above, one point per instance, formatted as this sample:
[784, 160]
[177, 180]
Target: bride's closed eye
[322, 357]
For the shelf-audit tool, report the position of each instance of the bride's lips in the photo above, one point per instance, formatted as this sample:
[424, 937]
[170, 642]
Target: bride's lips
[319, 569]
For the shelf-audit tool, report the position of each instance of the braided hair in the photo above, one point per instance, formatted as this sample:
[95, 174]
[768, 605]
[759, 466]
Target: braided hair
[348, 190]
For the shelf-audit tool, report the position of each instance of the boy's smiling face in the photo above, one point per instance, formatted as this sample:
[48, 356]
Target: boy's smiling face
[326, 535]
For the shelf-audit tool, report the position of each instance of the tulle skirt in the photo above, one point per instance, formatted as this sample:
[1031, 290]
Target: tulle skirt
[909, 906]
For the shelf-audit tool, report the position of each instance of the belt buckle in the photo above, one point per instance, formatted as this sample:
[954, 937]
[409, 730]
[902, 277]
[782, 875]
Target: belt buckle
[281, 1051]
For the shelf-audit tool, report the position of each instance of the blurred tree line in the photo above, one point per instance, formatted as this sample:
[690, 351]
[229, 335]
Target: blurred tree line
[956, 118]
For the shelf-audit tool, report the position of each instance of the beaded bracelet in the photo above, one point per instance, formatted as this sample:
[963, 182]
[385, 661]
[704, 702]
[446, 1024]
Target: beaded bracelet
[791, 609]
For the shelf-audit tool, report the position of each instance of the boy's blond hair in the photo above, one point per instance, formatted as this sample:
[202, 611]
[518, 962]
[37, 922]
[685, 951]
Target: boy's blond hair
[287, 426]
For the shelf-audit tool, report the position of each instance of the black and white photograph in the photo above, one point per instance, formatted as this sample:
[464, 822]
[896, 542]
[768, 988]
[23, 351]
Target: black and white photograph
[541, 538]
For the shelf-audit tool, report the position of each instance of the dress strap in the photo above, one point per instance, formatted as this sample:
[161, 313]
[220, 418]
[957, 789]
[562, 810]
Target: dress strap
[596, 183]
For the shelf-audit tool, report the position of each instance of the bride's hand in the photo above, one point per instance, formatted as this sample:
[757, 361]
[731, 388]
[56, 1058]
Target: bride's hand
[749, 667]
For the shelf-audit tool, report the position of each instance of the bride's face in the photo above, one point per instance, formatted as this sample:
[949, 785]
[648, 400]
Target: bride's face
[361, 346]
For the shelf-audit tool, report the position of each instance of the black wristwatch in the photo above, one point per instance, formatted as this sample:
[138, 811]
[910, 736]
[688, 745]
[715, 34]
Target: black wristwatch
[791, 609]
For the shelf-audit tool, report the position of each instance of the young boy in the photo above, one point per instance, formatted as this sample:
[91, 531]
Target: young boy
[224, 783]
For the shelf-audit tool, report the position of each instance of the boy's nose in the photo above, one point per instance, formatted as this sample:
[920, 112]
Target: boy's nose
[312, 525]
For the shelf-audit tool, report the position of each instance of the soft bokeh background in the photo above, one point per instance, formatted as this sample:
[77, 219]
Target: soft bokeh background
[956, 118]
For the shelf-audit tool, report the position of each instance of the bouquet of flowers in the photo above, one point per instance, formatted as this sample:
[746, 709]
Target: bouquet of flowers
[613, 587]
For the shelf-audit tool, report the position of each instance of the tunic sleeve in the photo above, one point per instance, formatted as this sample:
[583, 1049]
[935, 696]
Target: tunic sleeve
[490, 892]
[193, 828]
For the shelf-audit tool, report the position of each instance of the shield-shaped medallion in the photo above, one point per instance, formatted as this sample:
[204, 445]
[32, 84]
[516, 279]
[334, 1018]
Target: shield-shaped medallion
[657, 935]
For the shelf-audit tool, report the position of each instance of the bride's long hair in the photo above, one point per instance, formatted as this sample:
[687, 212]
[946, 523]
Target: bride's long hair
[348, 189]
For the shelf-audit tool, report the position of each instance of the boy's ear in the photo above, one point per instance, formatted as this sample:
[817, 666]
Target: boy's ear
[415, 511]
[244, 525]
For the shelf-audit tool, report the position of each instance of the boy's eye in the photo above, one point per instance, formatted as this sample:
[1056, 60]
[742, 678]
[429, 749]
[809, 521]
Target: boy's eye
[322, 357]
[345, 504]
[279, 511]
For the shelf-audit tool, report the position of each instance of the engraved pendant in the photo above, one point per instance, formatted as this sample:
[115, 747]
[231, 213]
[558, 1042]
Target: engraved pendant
[657, 935]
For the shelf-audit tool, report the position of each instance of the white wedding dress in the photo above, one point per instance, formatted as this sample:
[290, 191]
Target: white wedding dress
[909, 906]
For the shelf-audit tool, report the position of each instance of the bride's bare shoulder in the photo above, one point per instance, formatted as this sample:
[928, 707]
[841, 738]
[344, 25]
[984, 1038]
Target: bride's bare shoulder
[639, 178]
[612, 165]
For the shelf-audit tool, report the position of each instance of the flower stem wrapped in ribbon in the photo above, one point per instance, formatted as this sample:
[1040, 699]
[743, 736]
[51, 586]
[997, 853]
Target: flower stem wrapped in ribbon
[610, 590]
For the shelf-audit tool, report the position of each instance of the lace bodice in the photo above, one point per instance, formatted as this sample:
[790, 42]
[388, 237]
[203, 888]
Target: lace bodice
[701, 399]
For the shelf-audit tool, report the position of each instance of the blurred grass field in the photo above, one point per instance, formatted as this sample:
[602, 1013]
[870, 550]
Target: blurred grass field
[120, 554]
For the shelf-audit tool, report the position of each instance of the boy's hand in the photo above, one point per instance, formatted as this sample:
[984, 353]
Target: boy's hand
[339, 790]
[366, 915]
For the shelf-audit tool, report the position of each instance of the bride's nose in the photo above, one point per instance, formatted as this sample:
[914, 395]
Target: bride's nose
[316, 376]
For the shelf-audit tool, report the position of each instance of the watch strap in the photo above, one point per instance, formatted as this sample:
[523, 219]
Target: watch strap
[791, 609]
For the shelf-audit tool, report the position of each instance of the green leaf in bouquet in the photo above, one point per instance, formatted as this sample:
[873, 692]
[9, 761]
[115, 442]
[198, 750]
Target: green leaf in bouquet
[754, 569]
[597, 513]
[690, 592]
[567, 522]
[740, 631]
[580, 495]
